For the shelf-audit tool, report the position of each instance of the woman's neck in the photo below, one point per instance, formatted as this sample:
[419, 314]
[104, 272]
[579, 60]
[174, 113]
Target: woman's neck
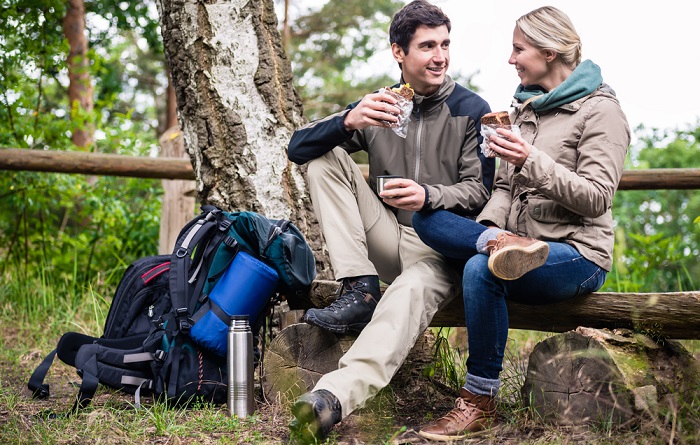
[558, 74]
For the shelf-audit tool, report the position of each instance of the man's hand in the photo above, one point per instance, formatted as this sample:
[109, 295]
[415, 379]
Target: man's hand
[375, 109]
[404, 194]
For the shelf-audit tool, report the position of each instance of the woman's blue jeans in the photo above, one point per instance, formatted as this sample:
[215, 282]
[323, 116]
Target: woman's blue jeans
[565, 274]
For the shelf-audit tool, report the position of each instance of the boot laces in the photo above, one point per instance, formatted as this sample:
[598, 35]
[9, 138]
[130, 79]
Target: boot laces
[461, 412]
[348, 296]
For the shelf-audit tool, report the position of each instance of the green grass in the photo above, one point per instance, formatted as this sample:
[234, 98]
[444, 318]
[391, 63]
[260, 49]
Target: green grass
[34, 315]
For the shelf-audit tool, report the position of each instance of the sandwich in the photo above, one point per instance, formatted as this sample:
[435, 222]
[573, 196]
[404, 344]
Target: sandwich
[404, 91]
[496, 119]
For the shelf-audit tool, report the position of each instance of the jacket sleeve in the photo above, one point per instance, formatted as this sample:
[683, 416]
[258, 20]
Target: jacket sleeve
[589, 190]
[476, 172]
[321, 136]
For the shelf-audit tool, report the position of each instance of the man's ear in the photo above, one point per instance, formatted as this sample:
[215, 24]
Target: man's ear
[397, 52]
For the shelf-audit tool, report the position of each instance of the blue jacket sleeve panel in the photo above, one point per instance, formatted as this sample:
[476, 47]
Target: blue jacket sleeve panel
[319, 137]
[465, 103]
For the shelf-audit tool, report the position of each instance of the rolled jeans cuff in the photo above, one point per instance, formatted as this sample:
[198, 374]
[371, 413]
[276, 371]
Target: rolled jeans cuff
[482, 386]
[486, 236]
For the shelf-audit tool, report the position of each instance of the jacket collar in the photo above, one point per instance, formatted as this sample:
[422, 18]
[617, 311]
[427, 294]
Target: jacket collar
[428, 103]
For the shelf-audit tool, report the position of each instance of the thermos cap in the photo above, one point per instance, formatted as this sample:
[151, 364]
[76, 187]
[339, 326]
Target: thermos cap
[239, 317]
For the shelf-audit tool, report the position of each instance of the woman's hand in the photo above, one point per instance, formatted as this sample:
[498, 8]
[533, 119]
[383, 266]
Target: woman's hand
[511, 147]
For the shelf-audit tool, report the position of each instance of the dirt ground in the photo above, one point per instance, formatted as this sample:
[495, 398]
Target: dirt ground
[393, 417]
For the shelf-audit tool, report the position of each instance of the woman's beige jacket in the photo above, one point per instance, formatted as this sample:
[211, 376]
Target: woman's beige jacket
[565, 189]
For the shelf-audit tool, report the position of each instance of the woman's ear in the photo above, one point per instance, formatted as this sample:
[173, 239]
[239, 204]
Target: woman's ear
[549, 55]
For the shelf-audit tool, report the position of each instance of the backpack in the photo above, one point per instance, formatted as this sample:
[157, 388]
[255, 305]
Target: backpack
[148, 346]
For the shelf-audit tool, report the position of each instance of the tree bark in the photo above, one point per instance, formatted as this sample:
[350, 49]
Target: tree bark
[238, 109]
[80, 89]
[593, 376]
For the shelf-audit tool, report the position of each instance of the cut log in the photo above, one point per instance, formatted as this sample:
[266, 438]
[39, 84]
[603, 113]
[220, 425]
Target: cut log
[56, 161]
[589, 375]
[297, 357]
[670, 314]
[301, 353]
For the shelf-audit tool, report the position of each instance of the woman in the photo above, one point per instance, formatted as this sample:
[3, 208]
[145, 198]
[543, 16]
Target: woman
[546, 235]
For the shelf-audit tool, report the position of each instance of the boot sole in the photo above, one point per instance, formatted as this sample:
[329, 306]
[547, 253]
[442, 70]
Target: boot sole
[512, 262]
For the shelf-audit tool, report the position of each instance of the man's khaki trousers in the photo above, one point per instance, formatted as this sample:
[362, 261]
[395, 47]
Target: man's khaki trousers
[364, 238]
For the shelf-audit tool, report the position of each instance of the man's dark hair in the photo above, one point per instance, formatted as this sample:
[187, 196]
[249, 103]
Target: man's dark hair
[410, 17]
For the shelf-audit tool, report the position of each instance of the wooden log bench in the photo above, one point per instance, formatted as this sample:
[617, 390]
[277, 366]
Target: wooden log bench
[302, 353]
[666, 314]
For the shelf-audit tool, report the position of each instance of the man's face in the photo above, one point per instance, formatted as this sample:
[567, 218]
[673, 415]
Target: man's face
[425, 64]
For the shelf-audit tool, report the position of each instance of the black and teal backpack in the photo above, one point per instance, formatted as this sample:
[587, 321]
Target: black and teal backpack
[152, 343]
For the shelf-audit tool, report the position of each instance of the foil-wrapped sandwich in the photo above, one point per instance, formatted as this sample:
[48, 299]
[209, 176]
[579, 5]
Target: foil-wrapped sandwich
[489, 123]
[404, 95]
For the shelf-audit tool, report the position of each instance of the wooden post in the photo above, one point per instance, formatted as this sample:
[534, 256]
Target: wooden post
[178, 195]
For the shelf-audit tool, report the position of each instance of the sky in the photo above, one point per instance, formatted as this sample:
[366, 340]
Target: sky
[647, 51]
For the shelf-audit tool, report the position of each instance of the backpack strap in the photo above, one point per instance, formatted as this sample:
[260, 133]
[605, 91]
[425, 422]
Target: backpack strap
[36, 381]
[173, 360]
[201, 236]
[139, 383]
[88, 386]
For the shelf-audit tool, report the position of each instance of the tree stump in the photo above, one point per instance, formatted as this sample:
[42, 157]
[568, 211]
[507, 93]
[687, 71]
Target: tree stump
[297, 358]
[591, 375]
[301, 353]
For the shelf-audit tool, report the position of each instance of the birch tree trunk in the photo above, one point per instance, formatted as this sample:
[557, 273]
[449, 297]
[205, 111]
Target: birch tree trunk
[238, 108]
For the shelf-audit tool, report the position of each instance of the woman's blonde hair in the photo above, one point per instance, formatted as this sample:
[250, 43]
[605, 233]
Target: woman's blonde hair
[549, 28]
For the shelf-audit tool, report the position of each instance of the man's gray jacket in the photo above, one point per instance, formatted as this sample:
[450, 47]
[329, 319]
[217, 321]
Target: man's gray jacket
[441, 150]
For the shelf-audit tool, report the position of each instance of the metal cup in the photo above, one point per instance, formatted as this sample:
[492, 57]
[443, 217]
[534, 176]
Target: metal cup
[383, 179]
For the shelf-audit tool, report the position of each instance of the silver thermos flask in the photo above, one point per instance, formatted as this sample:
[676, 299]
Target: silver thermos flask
[240, 367]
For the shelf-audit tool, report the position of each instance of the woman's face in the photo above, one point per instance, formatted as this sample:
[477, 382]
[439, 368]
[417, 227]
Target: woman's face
[530, 62]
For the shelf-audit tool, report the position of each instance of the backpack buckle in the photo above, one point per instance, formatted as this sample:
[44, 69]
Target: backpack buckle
[184, 325]
[160, 355]
[230, 241]
[224, 224]
[41, 392]
[183, 321]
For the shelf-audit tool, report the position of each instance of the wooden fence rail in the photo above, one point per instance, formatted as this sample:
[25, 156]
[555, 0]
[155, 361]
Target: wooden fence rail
[178, 168]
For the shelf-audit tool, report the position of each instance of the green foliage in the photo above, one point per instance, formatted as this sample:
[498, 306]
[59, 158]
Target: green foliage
[449, 361]
[62, 229]
[73, 228]
[657, 238]
[330, 48]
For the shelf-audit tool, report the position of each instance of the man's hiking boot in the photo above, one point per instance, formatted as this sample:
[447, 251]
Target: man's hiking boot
[315, 414]
[352, 310]
[512, 256]
[472, 414]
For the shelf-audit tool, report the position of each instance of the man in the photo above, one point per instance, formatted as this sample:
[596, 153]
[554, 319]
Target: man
[369, 236]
